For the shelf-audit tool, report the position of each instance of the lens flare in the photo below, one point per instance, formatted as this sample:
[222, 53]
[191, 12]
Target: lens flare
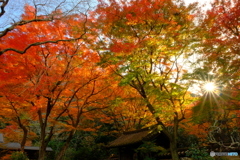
[209, 87]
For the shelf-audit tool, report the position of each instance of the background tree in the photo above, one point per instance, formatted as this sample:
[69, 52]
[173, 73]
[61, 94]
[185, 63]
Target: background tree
[220, 64]
[221, 41]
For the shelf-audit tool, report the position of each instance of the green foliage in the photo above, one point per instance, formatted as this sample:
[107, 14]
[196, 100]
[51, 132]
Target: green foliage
[148, 158]
[2, 125]
[127, 79]
[185, 139]
[198, 153]
[94, 152]
[56, 145]
[84, 144]
[147, 149]
[222, 158]
[19, 156]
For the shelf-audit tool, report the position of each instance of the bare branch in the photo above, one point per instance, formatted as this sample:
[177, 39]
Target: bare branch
[20, 23]
[40, 43]
[2, 7]
[45, 18]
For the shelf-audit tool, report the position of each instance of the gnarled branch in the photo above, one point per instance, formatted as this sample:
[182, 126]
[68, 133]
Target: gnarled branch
[2, 6]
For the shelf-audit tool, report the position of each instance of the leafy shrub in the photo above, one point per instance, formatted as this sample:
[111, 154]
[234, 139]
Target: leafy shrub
[148, 158]
[198, 153]
[149, 150]
[19, 156]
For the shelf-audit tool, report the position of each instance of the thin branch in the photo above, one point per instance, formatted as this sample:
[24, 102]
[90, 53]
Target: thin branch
[23, 22]
[2, 7]
[40, 43]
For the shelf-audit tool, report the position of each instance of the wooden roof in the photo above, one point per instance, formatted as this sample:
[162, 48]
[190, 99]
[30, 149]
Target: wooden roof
[17, 146]
[133, 137]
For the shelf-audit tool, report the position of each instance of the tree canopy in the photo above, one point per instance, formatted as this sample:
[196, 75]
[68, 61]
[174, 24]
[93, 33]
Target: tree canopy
[67, 68]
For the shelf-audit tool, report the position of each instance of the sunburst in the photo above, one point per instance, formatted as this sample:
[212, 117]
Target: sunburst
[209, 86]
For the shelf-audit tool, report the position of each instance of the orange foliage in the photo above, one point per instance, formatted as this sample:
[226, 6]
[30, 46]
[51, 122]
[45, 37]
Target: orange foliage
[54, 85]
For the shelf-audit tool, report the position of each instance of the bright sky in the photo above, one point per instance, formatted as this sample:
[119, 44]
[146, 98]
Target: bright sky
[16, 10]
[201, 2]
[13, 11]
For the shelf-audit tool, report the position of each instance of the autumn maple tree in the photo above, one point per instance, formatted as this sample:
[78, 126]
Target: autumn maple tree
[53, 85]
[148, 41]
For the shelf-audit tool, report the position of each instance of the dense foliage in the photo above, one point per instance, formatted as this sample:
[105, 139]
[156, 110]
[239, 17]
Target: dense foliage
[74, 77]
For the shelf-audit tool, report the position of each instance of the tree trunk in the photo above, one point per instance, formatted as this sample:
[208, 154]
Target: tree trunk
[24, 139]
[172, 136]
[173, 142]
[173, 149]
[173, 139]
[64, 148]
[45, 139]
[42, 151]
[43, 144]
